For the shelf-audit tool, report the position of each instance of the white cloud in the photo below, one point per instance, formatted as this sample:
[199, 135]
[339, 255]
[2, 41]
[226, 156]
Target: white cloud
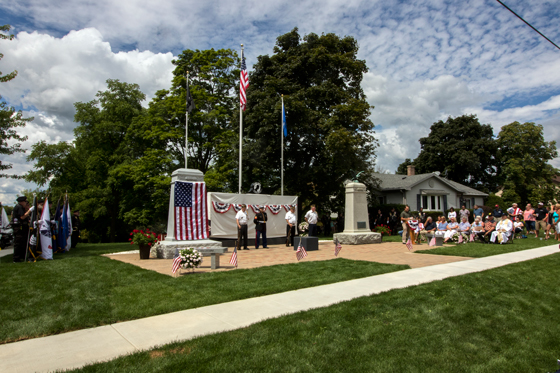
[54, 73]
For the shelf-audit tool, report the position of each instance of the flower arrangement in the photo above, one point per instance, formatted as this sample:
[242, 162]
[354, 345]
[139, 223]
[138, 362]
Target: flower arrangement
[190, 258]
[383, 229]
[141, 237]
[303, 228]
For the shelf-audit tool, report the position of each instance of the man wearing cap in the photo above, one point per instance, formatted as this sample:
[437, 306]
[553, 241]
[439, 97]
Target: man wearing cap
[241, 218]
[260, 220]
[75, 228]
[20, 224]
[497, 212]
[541, 215]
[489, 227]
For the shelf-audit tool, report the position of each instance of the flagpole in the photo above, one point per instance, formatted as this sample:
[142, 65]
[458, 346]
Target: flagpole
[282, 148]
[187, 122]
[240, 129]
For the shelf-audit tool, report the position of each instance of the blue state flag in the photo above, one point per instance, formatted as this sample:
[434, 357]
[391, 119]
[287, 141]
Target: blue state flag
[284, 126]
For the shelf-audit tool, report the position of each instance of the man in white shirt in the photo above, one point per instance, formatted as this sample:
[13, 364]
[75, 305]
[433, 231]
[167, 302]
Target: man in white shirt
[291, 223]
[241, 218]
[311, 218]
[503, 230]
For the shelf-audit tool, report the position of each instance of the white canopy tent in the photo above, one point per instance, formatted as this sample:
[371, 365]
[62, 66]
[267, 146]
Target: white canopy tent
[222, 208]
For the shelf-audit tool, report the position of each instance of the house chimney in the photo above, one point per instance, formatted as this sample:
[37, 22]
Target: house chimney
[410, 170]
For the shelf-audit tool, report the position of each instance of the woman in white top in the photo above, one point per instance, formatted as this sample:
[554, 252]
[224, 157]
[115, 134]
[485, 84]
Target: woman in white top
[451, 214]
[451, 230]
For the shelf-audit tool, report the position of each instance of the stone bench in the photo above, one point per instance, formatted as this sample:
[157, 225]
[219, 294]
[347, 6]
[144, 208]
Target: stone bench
[213, 252]
[439, 239]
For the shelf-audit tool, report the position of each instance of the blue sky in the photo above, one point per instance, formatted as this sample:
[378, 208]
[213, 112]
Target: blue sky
[427, 60]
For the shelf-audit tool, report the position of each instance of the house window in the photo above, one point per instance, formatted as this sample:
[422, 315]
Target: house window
[431, 203]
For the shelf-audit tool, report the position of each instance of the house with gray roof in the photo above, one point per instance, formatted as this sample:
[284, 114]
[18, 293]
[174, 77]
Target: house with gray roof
[429, 191]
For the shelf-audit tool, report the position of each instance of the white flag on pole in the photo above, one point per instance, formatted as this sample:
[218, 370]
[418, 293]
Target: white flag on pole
[69, 239]
[45, 232]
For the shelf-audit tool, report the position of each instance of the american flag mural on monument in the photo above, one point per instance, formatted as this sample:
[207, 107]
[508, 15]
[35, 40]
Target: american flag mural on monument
[191, 218]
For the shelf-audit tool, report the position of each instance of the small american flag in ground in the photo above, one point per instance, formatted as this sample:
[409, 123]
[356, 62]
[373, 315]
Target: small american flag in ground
[191, 219]
[300, 253]
[409, 245]
[233, 260]
[460, 239]
[337, 247]
[472, 237]
[176, 263]
[433, 241]
[243, 83]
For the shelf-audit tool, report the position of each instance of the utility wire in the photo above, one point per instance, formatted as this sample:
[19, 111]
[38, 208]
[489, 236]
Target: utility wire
[505, 6]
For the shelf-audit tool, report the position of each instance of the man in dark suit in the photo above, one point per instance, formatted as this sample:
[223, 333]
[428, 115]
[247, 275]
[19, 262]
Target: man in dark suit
[260, 220]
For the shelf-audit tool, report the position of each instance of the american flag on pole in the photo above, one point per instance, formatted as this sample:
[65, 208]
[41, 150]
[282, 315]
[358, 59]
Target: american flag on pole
[337, 247]
[300, 253]
[191, 218]
[409, 245]
[233, 260]
[176, 263]
[243, 83]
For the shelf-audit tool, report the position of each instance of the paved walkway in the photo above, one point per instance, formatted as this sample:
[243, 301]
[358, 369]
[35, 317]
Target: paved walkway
[76, 349]
[387, 252]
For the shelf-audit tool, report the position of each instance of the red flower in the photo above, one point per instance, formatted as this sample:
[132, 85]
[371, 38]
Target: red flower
[130, 239]
[131, 234]
[135, 231]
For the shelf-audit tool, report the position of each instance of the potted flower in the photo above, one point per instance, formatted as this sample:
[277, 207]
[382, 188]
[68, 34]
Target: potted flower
[190, 258]
[144, 240]
[383, 229]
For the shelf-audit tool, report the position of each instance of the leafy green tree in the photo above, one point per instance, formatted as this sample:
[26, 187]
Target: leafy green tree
[403, 167]
[10, 119]
[526, 175]
[463, 150]
[329, 130]
[91, 169]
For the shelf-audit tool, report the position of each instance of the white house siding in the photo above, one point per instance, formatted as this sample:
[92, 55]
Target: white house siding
[439, 189]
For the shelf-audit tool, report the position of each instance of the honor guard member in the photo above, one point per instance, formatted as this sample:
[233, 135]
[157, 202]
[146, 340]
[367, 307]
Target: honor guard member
[75, 228]
[291, 222]
[260, 221]
[311, 218]
[241, 218]
[20, 224]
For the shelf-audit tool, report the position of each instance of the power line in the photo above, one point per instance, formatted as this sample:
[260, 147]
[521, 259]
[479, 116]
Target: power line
[505, 6]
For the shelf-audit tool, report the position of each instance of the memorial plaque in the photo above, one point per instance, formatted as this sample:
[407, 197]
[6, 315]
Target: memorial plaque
[361, 225]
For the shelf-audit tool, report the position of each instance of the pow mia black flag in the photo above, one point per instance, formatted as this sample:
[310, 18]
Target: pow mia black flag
[190, 101]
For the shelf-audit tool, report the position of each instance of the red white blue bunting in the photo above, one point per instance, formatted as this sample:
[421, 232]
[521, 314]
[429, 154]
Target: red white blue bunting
[236, 207]
[221, 208]
[275, 209]
[255, 208]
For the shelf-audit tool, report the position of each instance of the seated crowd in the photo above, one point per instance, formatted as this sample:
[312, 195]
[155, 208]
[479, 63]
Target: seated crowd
[497, 227]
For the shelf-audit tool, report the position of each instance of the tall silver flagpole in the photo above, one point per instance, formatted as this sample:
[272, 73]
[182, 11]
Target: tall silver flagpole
[187, 122]
[240, 126]
[282, 148]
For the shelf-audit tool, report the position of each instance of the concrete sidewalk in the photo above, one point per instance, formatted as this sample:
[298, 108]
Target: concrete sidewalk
[76, 349]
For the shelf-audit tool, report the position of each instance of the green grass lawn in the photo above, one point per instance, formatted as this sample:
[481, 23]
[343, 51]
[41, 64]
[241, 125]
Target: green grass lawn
[82, 289]
[479, 250]
[500, 320]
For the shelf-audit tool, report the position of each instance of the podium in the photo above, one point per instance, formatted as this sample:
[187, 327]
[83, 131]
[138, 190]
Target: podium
[309, 243]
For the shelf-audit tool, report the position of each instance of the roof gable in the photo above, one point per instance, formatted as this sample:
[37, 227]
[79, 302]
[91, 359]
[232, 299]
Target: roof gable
[403, 182]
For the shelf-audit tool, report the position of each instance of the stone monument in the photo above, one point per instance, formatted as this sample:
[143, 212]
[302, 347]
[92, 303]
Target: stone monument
[356, 222]
[166, 249]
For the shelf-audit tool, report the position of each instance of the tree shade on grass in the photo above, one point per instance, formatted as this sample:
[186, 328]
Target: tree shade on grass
[81, 289]
[501, 320]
